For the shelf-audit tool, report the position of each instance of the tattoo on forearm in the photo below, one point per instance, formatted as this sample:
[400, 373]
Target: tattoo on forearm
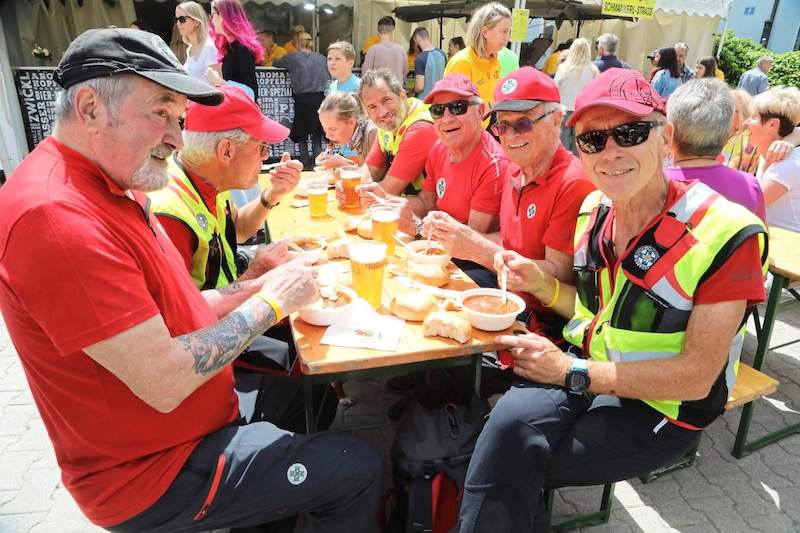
[233, 288]
[215, 346]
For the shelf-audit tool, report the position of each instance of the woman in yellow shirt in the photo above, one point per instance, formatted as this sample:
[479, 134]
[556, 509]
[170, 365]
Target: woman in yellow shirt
[489, 31]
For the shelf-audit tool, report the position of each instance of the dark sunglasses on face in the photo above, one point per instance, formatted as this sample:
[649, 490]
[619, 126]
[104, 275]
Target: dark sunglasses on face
[459, 107]
[523, 125]
[625, 135]
[182, 19]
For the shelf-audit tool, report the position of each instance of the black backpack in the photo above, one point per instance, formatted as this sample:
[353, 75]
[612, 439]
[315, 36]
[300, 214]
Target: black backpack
[430, 453]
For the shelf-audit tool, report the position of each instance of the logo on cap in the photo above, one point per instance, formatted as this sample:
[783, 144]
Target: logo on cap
[509, 86]
[159, 44]
[634, 89]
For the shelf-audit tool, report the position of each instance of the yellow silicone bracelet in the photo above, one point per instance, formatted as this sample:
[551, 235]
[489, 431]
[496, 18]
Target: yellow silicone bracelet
[556, 295]
[270, 302]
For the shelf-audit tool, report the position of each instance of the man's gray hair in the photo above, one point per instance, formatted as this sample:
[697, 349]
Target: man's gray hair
[111, 89]
[682, 46]
[371, 77]
[764, 59]
[609, 42]
[201, 146]
[701, 111]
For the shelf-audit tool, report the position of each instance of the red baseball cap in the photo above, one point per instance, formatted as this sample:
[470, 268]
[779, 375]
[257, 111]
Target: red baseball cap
[524, 89]
[622, 88]
[238, 110]
[456, 83]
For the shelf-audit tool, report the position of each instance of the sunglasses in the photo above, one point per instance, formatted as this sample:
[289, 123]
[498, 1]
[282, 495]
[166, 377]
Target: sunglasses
[523, 125]
[625, 135]
[459, 107]
[264, 148]
[182, 19]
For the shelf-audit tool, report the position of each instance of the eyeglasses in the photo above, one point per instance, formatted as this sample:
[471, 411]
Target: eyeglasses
[182, 19]
[459, 107]
[214, 14]
[264, 147]
[523, 125]
[625, 135]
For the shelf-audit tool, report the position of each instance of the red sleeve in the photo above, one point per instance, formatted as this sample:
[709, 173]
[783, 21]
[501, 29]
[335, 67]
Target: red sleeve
[182, 237]
[560, 231]
[409, 162]
[376, 158]
[739, 278]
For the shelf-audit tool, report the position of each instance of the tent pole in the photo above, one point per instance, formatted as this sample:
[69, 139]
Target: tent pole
[724, 28]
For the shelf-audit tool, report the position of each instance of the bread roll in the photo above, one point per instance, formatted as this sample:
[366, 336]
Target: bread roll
[414, 305]
[428, 274]
[447, 324]
[339, 249]
[351, 224]
[365, 228]
[335, 278]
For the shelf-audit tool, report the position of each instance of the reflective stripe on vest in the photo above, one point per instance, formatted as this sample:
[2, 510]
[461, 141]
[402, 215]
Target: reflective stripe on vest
[390, 142]
[642, 312]
[214, 258]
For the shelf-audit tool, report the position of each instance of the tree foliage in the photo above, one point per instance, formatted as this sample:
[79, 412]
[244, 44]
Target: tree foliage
[739, 55]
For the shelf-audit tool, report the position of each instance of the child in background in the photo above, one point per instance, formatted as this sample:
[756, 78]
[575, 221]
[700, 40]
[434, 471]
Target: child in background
[341, 58]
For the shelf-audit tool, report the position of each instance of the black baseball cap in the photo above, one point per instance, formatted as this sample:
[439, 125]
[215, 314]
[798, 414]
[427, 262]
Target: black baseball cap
[104, 52]
[652, 54]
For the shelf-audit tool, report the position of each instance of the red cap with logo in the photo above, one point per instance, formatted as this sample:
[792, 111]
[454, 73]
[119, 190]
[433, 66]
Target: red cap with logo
[455, 83]
[524, 89]
[238, 110]
[622, 88]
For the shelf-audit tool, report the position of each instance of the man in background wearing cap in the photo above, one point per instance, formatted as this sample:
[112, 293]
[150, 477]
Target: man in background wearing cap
[543, 191]
[653, 57]
[665, 270]
[128, 363]
[405, 135]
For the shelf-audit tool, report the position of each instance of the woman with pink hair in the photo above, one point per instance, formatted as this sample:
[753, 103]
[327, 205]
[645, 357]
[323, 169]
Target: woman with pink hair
[238, 47]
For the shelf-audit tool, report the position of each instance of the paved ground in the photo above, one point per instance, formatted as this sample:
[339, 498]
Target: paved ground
[719, 494]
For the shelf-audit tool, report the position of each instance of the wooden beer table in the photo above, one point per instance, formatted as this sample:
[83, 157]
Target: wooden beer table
[322, 363]
[784, 264]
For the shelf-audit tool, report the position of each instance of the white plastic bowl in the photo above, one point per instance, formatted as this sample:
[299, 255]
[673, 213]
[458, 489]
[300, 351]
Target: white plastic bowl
[317, 315]
[301, 189]
[486, 321]
[415, 251]
[313, 254]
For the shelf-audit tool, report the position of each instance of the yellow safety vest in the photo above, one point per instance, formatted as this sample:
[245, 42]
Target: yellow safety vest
[641, 310]
[390, 142]
[214, 258]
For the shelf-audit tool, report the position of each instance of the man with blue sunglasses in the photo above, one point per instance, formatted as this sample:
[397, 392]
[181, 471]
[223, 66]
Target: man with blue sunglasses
[665, 271]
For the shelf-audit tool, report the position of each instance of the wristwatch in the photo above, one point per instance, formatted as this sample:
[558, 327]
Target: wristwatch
[268, 205]
[418, 229]
[577, 381]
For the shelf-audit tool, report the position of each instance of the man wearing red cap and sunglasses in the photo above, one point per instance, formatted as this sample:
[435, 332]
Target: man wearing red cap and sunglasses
[544, 188]
[665, 271]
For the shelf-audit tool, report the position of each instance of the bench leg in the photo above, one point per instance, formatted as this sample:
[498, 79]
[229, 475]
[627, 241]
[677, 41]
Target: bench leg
[742, 448]
[590, 519]
[683, 462]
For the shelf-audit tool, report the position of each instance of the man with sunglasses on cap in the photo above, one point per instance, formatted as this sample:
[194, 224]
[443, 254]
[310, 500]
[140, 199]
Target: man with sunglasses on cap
[544, 188]
[665, 271]
[129, 364]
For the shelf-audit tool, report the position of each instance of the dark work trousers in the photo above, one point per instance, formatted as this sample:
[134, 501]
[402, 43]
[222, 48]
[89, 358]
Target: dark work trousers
[253, 473]
[541, 436]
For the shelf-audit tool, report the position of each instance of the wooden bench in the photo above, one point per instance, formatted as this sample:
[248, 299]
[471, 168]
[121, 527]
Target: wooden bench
[750, 385]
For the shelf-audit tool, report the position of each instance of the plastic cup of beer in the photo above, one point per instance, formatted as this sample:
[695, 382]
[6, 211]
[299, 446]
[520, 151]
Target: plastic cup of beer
[367, 262]
[318, 197]
[384, 225]
[351, 178]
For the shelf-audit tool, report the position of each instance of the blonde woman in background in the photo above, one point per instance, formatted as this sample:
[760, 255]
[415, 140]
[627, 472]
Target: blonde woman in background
[572, 75]
[488, 32]
[345, 124]
[192, 23]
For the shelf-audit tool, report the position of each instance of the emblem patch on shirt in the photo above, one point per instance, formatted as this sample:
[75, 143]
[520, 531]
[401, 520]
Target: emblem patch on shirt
[509, 86]
[297, 473]
[441, 185]
[202, 220]
[531, 211]
[386, 139]
[645, 257]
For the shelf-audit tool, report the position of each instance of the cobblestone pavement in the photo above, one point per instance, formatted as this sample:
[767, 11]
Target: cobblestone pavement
[719, 494]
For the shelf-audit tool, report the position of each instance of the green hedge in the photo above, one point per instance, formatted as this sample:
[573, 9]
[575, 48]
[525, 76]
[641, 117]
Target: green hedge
[739, 55]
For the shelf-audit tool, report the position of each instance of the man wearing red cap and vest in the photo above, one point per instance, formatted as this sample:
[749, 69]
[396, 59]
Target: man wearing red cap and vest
[665, 271]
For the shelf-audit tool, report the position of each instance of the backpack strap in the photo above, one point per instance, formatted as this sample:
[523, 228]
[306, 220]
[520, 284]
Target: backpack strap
[420, 501]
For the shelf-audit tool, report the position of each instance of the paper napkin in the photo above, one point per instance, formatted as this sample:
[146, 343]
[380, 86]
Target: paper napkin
[363, 327]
